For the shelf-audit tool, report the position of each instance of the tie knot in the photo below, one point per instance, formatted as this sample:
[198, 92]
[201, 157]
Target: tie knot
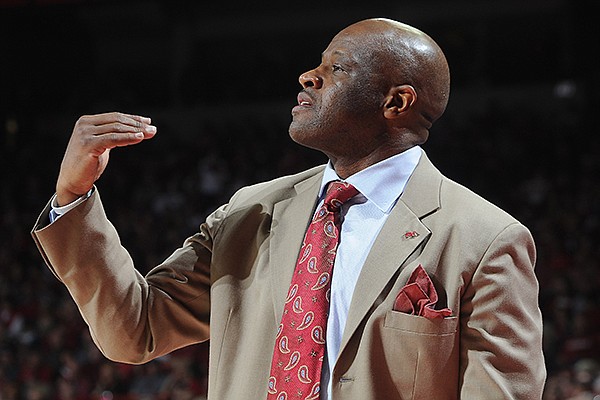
[338, 193]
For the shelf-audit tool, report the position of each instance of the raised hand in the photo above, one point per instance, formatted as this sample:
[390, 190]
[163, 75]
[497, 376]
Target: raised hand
[88, 150]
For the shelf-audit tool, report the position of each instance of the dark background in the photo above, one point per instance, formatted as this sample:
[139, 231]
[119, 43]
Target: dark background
[219, 81]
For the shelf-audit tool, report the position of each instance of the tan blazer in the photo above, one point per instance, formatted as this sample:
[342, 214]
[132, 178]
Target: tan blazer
[233, 277]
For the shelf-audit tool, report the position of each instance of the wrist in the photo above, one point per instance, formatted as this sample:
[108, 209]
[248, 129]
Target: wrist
[64, 198]
[58, 210]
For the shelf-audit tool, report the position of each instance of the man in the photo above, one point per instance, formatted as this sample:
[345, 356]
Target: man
[412, 242]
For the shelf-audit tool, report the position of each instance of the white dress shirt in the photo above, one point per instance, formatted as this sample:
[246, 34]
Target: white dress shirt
[57, 211]
[363, 216]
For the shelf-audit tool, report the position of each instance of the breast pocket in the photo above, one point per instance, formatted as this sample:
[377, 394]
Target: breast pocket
[412, 324]
[419, 351]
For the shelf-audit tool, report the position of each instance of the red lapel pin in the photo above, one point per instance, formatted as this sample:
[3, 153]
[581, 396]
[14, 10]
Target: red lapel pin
[411, 235]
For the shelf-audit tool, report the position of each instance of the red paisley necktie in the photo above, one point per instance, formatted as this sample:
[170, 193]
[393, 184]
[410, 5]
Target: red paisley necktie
[300, 343]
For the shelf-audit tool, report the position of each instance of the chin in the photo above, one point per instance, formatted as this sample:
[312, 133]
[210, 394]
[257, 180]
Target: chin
[297, 133]
[302, 136]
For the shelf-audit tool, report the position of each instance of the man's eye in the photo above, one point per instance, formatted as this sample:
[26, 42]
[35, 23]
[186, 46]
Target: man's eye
[337, 68]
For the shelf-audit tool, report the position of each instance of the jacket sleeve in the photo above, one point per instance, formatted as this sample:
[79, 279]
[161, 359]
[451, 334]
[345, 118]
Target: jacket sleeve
[132, 318]
[501, 324]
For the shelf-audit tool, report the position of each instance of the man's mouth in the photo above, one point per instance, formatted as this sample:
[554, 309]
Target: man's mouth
[305, 102]
[304, 99]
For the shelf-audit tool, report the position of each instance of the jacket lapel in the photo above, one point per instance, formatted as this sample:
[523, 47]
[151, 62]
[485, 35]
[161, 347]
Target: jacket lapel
[290, 219]
[392, 249]
[388, 255]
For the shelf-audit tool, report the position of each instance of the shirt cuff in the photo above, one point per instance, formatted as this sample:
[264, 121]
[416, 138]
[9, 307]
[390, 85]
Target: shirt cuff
[58, 211]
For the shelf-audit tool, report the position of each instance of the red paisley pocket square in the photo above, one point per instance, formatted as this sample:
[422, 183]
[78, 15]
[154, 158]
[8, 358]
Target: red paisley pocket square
[419, 297]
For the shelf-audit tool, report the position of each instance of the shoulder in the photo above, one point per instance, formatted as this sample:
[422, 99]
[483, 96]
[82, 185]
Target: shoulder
[474, 224]
[256, 202]
[455, 212]
[276, 189]
[469, 228]
[264, 195]
[456, 199]
[431, 195]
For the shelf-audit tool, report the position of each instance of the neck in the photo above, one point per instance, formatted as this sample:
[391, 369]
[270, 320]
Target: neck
[346, 167]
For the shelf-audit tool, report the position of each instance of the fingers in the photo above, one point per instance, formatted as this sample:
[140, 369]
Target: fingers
[117, 128]
[118, 123]
[106, 131]
[126, 119]
[88, 150]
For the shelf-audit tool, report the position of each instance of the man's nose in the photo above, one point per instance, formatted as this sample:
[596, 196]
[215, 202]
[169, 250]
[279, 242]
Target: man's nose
[310, 79]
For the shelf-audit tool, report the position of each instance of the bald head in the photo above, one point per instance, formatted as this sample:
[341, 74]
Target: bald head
[404, 55]
[380, 86]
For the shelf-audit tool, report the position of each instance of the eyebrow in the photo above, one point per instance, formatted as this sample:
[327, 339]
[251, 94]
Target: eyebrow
[342, 54]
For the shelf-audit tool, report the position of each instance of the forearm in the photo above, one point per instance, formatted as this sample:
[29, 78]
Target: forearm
[124, 311]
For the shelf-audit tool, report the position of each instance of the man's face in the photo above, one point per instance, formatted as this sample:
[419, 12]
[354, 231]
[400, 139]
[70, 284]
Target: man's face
[339, 110]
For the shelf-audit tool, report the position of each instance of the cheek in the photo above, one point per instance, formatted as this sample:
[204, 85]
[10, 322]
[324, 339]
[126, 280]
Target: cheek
[341, 109]
[355, 100]
[363, 100]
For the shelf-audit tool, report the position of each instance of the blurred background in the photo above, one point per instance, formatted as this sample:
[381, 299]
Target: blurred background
[219, 81]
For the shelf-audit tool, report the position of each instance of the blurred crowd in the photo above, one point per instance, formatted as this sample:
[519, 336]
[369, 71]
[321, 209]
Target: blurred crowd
[542, 168]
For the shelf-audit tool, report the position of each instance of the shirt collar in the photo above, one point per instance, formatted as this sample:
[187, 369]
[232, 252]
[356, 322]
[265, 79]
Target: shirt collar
[381, 183]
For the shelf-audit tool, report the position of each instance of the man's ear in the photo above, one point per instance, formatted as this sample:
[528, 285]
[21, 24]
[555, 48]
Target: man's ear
[398, 100]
